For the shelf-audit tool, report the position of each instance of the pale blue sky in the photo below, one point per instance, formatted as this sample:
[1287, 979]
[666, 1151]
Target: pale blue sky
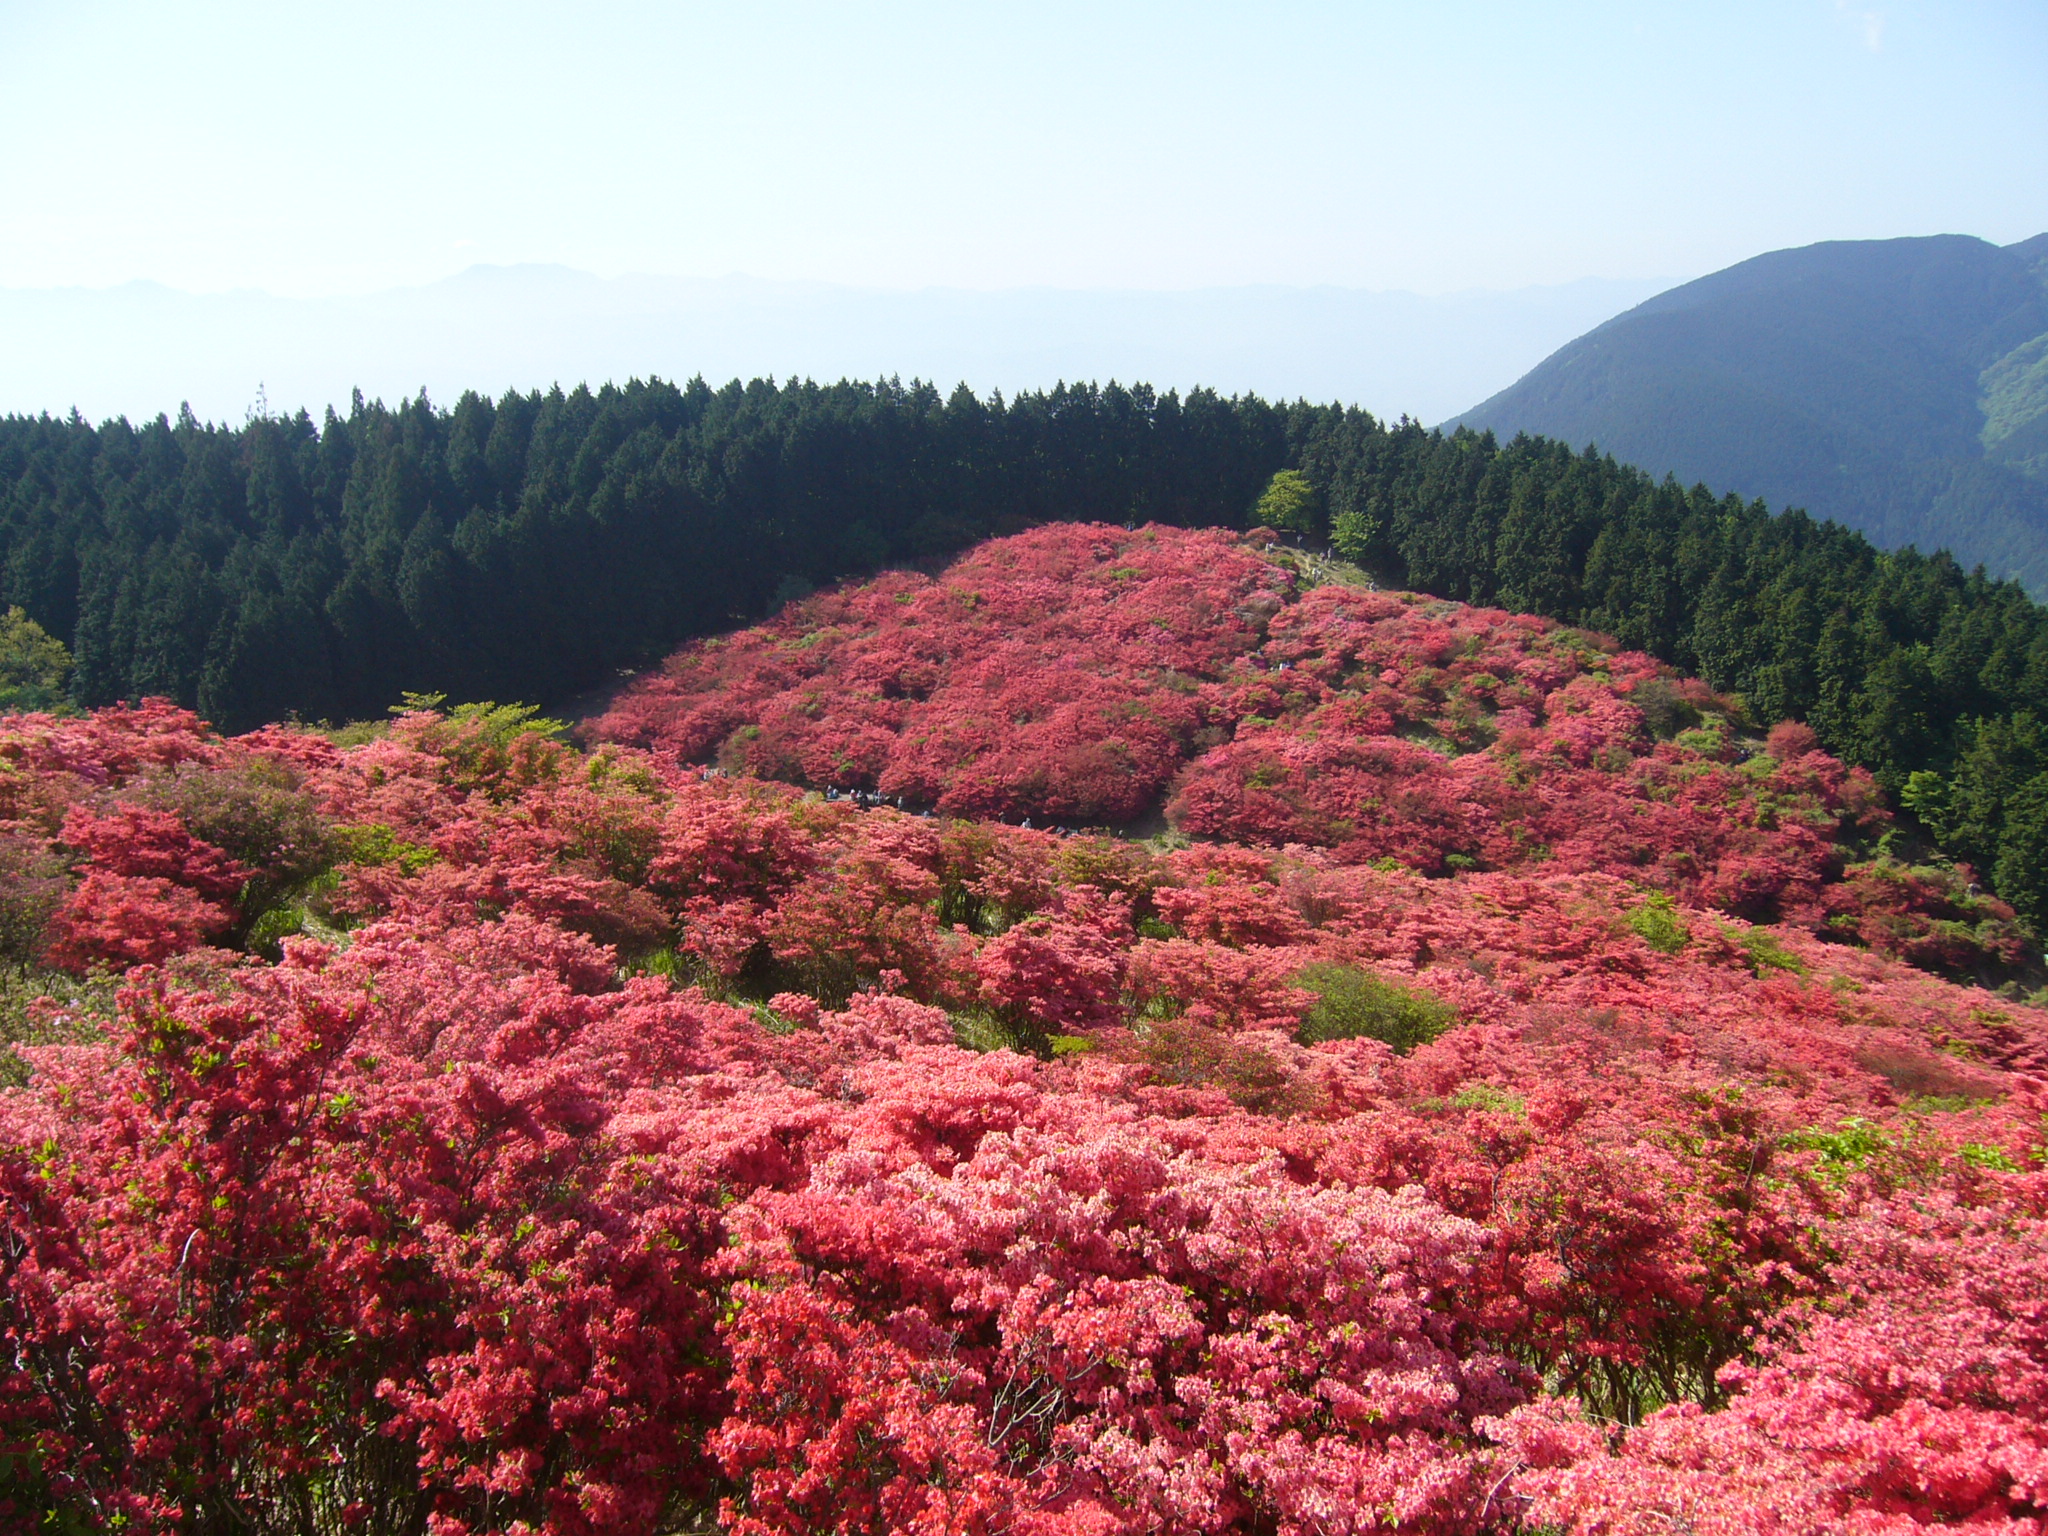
[1425, 146]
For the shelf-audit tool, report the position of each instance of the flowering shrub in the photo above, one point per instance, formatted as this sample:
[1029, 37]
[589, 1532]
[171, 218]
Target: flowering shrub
[130, 920]
[1531, 1109]
[1101, 1332]
[1917, 1397]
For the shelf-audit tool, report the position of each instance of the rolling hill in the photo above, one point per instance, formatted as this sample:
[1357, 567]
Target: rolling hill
[1897, 386]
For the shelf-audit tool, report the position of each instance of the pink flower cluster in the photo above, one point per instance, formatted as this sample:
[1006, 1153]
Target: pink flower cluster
[614, 1149]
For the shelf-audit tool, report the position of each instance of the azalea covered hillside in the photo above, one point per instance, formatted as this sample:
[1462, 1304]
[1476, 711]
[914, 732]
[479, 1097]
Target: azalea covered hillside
[1511, 1096]
[1083, 674]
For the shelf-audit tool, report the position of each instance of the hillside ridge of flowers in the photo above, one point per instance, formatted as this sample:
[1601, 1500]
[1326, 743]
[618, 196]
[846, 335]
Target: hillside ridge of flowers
[448, 1128]
[1084, 673]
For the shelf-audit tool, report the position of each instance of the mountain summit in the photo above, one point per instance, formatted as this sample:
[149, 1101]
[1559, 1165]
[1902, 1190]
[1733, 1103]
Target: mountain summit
[1898, 386]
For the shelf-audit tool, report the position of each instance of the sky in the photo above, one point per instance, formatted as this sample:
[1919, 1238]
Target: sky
[321, 150]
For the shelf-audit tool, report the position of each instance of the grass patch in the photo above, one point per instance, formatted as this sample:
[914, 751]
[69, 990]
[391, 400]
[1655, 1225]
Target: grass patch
[1487, 1097]
[773, 1022]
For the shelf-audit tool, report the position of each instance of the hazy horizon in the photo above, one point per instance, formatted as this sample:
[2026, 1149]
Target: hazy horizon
[141, 348]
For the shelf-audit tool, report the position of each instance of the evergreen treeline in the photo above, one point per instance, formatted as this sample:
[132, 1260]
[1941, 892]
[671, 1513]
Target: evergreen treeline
[529, 547]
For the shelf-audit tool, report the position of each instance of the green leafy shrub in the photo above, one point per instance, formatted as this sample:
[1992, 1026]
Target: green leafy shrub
[1357, 536]
[32, 884]
[34, 665]
[486, 745]
[977, 1029]
[374, 843]
[1657, 923]
[1765, 953]
[1850, 1146]
[1290, 504]
[1978, 1155]
[1189, 1055]
[1487, 1097]
[1352, 1004]
[1667, 713]
[255, 812]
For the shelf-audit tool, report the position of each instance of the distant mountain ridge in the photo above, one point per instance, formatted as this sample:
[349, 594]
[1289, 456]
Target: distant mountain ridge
[1897, 386]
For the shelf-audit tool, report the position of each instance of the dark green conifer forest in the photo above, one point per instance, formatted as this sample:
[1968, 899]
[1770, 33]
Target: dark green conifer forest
[533, 546]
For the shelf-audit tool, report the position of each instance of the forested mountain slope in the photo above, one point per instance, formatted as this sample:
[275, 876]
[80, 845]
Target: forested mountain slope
[1530, 1107]
[1896, 386]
